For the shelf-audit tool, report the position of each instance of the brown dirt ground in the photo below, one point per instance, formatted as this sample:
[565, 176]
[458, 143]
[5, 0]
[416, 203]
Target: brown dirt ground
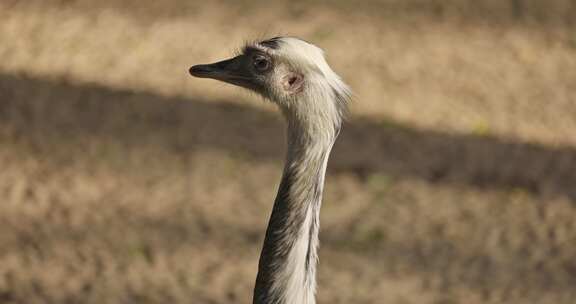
[123, 180]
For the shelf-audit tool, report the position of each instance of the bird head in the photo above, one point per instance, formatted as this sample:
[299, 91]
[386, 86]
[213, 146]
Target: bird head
[289, 71]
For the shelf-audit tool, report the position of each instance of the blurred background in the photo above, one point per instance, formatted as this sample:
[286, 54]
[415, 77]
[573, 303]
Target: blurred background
[124, 180]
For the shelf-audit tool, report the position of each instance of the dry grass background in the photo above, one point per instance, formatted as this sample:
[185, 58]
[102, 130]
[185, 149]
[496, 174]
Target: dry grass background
[123, 180]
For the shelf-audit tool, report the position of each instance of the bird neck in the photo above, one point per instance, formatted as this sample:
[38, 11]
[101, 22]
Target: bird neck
[287, 267]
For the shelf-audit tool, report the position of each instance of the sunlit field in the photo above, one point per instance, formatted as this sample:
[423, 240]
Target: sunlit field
[125, 180]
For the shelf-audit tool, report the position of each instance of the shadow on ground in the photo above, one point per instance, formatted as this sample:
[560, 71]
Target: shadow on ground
[59, 121]
[36, 110]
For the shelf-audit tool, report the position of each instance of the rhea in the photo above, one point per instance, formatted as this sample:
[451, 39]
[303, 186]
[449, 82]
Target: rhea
[294, 75]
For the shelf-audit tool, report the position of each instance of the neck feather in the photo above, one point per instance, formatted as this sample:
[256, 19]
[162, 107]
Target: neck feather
[287, 267]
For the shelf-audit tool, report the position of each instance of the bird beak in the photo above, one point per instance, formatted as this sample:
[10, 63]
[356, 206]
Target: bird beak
[229, 70]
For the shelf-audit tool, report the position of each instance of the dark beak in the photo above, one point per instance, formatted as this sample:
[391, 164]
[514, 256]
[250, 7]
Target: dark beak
[233, 71]
[225, 70]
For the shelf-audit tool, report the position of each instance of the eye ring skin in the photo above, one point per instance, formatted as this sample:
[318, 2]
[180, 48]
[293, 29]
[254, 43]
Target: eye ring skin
[261, 63]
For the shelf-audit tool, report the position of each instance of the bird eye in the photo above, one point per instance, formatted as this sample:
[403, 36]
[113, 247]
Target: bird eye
[261, 63]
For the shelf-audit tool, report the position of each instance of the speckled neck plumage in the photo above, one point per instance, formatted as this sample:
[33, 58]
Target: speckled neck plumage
[287, 268]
